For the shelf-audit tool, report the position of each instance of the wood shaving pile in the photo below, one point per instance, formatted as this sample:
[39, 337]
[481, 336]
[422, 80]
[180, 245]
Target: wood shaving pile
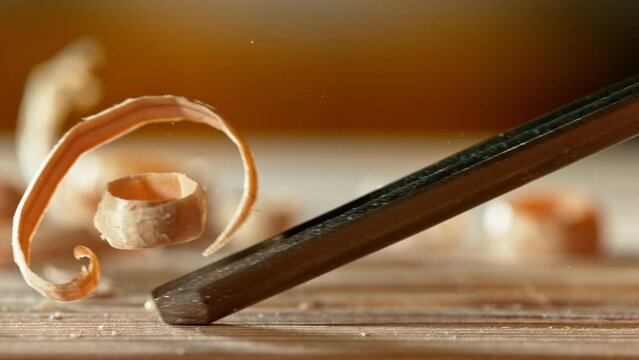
[545, 222]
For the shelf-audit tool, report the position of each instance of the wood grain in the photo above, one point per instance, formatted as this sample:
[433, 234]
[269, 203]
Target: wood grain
[370, 309]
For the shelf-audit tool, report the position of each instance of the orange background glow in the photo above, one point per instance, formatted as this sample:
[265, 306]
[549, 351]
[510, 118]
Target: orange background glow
[334, 66]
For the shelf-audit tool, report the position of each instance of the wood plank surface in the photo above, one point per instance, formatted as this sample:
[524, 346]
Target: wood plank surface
[369, 310]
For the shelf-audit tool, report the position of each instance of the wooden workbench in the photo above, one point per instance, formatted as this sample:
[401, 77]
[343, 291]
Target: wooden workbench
[367, 310]
[381, 307]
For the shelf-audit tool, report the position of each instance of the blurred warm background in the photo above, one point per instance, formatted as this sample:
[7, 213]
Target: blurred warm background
[336, 98]
[337, 66]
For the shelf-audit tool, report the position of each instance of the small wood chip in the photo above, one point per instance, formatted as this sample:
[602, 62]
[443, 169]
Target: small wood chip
[308, 305]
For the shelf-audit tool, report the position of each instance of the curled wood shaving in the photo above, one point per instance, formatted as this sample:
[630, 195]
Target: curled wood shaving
[53, 90]
[150, 210]
[90, 134]
[105, 289]
[543, 222]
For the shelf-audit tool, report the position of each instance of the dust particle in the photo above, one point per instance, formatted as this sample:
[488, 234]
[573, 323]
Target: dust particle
[55, 316]
[150, 306]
